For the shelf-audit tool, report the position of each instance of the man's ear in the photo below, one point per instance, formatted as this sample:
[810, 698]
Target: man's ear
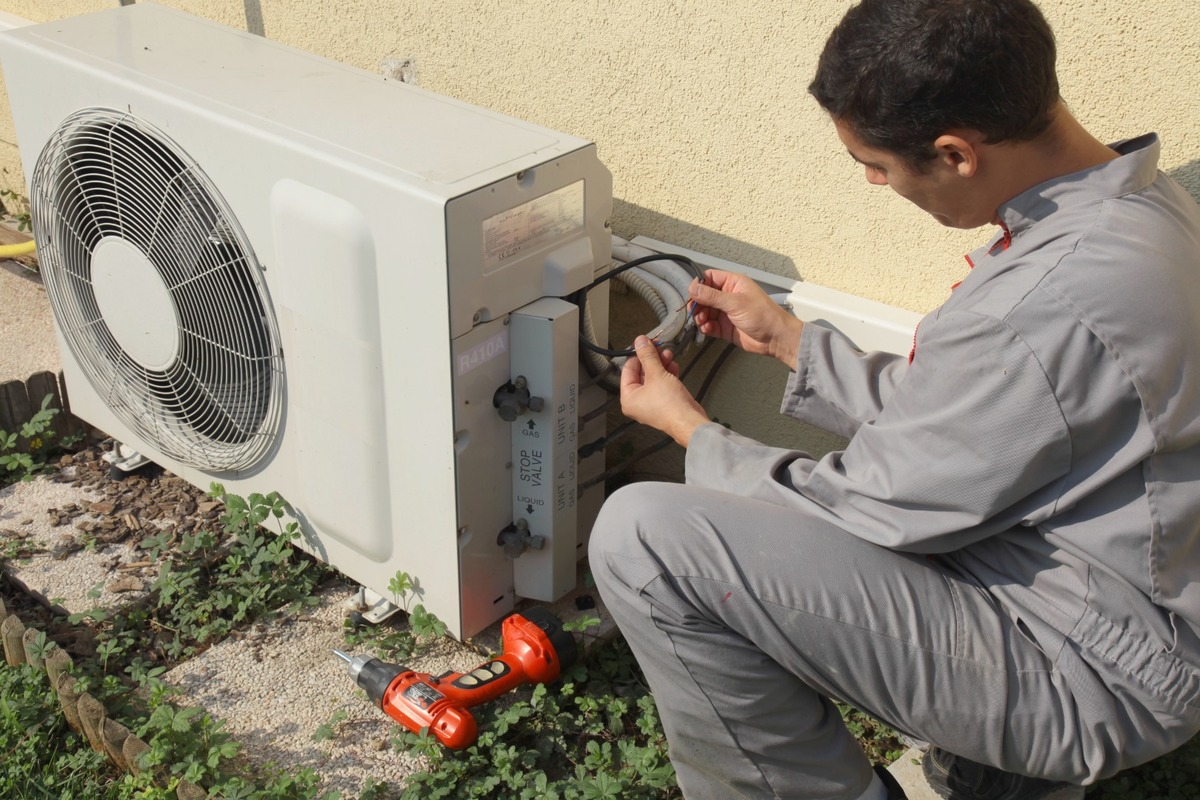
[959, 151]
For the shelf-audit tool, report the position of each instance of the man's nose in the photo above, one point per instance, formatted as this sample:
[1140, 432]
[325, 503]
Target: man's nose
[876, 176]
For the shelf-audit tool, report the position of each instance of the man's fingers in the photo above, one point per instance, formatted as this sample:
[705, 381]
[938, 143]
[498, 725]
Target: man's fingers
[647, 354]
[631, 373]
[707, 295]
[668, 361]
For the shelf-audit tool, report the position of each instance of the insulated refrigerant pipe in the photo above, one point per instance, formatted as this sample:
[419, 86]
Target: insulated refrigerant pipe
[662, 284]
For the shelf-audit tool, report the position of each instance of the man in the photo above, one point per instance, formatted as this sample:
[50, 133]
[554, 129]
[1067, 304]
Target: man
[1004, 561]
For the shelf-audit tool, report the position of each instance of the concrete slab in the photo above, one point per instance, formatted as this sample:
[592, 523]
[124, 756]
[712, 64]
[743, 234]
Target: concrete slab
[907, 770]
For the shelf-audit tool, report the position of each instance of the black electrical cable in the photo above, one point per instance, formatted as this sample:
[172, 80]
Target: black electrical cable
[624, 465]
[580, 297]
[708, 345]
[600, 443]
[601, 409]
[604, 441]
[712, 372]
[718, 363]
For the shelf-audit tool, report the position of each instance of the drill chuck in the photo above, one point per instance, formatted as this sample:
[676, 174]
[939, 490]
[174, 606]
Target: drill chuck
[372, 675]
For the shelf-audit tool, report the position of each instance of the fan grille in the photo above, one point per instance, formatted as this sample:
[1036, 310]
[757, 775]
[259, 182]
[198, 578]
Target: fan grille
[217, 404]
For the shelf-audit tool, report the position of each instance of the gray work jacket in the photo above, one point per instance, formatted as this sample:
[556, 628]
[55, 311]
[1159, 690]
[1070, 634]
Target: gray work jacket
[1045, 438]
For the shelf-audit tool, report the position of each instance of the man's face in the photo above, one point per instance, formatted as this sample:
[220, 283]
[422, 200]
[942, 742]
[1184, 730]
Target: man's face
[943, 191]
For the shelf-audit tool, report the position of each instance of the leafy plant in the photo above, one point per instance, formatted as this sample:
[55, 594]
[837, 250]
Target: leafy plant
[211, 583]
[405, 589]
[42, 756]
[594, 735]
[20, 464]
[581, 625]
[17, 547]
[185, 743]
[214, 582]
[326, 730]
[16, 208]
[881, 744]
[1175, 776]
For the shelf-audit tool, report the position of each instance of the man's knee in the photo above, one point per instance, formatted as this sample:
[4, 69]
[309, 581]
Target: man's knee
[619, 549]
[626, 514]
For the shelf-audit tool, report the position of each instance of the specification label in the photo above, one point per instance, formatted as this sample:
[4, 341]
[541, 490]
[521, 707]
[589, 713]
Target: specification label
[531, 225]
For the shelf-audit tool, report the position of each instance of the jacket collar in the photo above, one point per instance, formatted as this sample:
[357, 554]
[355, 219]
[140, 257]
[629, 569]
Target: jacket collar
[1134, 170]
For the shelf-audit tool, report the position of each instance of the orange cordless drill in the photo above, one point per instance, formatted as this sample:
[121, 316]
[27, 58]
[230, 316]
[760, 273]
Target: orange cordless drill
[536, 649]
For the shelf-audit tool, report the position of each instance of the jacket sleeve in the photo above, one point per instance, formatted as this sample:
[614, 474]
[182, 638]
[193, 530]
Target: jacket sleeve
[836, 386]
[957, 454]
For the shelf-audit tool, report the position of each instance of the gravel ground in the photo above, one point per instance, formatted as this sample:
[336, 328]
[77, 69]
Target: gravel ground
[80, 529]
[58, 569]
[273, 684]
[27, 342]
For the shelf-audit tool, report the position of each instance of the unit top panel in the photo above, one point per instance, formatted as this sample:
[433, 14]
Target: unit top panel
[426, 136]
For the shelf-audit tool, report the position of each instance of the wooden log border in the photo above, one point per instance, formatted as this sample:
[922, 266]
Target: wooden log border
[82, 711]
[20, 400]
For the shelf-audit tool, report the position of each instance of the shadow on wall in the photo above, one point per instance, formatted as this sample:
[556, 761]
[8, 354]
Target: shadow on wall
[1189, 177]
[630, 219]
[254, 17]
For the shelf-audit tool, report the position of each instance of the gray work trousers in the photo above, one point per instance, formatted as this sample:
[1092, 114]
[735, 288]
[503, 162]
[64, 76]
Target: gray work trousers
[746, 617]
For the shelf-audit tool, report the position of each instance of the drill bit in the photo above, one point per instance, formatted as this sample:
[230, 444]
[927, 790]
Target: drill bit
[342, 656]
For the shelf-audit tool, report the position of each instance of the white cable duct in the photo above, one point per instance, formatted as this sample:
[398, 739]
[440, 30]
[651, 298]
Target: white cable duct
[668, 270]
[674, 314]
[600, 365]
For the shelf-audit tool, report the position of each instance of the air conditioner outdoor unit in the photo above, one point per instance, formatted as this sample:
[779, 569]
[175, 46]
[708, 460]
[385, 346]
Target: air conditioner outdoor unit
[281, 273]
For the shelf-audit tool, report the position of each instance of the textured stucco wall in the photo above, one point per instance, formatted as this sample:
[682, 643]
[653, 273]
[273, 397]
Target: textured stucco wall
[700, 111]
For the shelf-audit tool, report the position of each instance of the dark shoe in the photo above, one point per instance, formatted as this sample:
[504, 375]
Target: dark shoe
[957, 778]
[894, 790]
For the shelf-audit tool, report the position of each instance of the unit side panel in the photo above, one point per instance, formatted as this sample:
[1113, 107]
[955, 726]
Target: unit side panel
[480, 361]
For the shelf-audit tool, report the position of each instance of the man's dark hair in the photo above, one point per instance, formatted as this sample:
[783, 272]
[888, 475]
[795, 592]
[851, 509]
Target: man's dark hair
[900, 73]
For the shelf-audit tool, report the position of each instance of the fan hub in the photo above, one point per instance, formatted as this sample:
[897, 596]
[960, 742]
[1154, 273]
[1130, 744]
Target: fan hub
[135, 303]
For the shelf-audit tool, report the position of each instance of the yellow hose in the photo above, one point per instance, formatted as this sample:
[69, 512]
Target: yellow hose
[14, 250]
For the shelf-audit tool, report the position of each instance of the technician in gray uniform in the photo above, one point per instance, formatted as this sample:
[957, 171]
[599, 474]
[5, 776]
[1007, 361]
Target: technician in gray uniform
[1005, 559]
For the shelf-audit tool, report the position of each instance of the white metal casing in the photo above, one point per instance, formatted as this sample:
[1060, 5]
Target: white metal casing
[377, 211]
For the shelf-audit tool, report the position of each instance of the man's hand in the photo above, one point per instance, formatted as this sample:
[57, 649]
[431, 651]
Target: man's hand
[734, 308]
[652, 393]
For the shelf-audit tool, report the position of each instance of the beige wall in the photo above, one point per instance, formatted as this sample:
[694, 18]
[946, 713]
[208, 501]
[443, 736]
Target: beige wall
[700, 111]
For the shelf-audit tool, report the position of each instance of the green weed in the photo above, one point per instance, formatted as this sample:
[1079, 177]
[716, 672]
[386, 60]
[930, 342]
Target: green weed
[15, 206]
[26, 452]
[596, 734]
[43, 758]
[405, 589]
